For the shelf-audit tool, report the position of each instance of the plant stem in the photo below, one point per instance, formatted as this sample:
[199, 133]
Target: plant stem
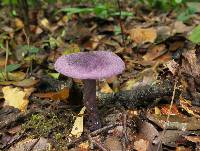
[6, 61]
[89, 100]
[120, 23]
[24, 12]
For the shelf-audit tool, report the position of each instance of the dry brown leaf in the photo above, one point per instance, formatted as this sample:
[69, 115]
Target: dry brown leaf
[165, 110]
[176, 45]
[16, 97]
[195, 139]
[190, 63]
[113, 143]
[186, 105]
[93, 43]
[180, 27]
[35, 144]
[141, 145]
[172, 66]
[84, 146]
[63, 95]
[154, 52]
[142, 35]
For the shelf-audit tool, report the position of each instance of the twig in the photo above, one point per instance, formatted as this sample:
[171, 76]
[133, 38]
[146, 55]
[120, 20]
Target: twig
[120, 23]
[98, 144]
[26, 36]
[13, 141]
[94, 133]
[125, 139]
[33, 145]
[24, 11]
[168, 116]
[6, 61]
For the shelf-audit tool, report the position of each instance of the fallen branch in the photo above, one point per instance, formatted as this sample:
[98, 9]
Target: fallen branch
[139, 95]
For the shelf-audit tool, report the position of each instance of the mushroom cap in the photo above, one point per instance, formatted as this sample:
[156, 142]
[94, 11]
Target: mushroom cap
[90, 65]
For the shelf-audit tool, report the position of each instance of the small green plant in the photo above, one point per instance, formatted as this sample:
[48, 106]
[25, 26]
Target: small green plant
[185, 15]
[195, 35]
[100, 10]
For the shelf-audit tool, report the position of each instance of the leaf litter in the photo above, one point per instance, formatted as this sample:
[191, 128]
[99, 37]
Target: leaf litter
[157, 48]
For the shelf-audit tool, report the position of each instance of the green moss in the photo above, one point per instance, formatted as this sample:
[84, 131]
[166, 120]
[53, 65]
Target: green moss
[49, 125]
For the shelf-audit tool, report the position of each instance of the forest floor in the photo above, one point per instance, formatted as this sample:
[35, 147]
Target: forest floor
[41, 109]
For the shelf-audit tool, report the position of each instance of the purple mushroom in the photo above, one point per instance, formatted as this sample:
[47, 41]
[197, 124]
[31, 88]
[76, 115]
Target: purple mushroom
[90, 66]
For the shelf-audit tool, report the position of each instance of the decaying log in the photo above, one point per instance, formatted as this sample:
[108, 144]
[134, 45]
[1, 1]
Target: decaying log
[139, 95]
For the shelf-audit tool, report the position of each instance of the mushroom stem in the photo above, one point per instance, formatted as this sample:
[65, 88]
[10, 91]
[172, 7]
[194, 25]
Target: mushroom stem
[89, 100]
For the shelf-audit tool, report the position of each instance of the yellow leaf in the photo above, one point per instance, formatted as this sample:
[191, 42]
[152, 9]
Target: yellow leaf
[77, 129]
[19, 23]
[105, 88]
[187, 106]
[45, 23]
[142, 35]
[16, 97]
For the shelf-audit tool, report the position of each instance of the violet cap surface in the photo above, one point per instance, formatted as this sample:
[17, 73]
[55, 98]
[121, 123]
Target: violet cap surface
[90, 65]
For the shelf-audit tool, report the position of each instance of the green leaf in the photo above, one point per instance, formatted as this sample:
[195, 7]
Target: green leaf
[184, 16]
[195, 35]
[117, 30]
[30, 49]
[75, 10]
[33, 49]
[54, 75]
[178, 1]
[11, 67]
[123, 14]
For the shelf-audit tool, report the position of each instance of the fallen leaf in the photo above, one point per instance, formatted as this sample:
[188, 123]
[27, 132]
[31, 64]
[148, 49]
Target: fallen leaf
[71, 48]
[63, 94]
[195, 35]
[186, 105]
[190, 63]
[93, 43]
[24, 83]
[19, 23]
[176, 45]
[195, 139]
[77, 128]
[165, 110]
[113, 143]
[16, 97]
[176, 122]
[35, 145]
[141, 145]
[13, 76]
[45, 24]
[172, 66]
[105, 88]
[156, 52]
[170, 137]
[143, 35]
[84, 146]
[180, 27]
